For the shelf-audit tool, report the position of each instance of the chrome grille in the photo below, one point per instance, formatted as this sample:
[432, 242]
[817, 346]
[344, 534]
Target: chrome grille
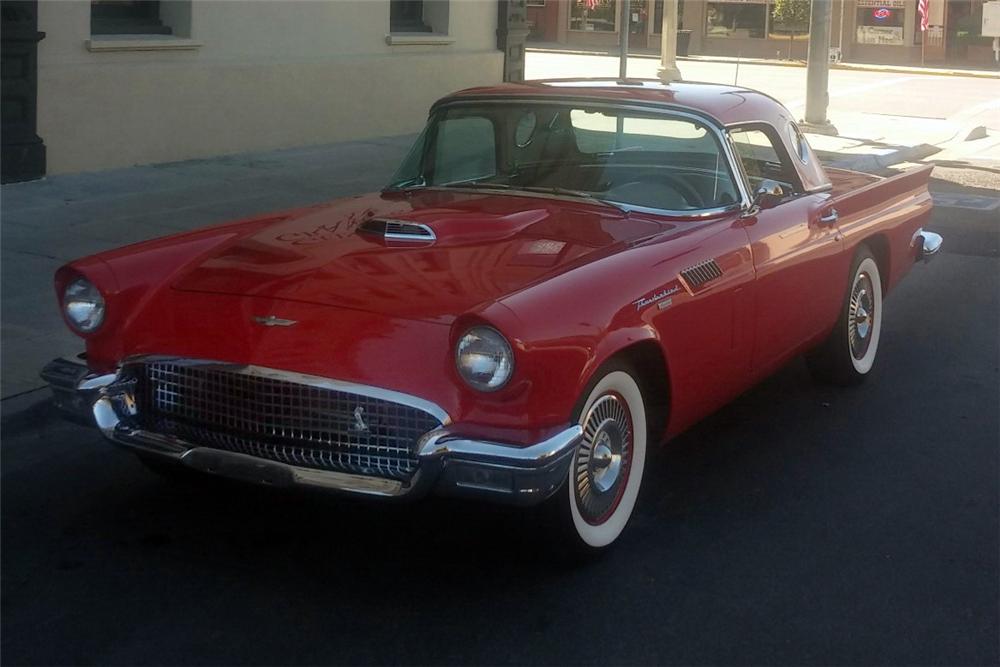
[215, 406]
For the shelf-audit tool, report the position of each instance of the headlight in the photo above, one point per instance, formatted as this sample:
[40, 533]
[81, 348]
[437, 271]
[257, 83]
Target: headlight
[83, 305]
[484, 359]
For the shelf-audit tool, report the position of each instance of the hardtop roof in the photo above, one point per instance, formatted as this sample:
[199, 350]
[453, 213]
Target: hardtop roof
[727, 104]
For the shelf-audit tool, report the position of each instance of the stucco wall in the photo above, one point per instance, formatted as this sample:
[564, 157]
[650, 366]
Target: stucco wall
[267, 75]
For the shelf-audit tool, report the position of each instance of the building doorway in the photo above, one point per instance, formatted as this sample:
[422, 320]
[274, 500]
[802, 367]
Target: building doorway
[958, 28]
[22, 157]
[638, 21]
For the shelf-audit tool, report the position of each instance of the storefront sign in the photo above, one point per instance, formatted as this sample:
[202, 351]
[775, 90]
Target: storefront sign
[880, 34]
[876, 4]
[882, 14]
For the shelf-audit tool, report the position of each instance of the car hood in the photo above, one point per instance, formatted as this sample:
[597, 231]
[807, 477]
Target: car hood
[484, 247]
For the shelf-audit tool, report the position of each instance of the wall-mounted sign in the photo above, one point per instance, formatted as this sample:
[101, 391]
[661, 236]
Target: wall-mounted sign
[881, 13]
[875, 4]
[880, 34]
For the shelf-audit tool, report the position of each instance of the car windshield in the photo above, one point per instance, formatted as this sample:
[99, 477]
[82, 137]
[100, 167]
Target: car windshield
[624, 157]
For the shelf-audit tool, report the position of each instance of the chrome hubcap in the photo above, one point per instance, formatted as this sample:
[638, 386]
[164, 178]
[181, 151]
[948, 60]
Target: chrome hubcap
[861, 315]
[603, 459]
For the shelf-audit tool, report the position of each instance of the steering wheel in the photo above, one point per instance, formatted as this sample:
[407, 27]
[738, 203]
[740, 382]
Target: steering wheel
[684, 189]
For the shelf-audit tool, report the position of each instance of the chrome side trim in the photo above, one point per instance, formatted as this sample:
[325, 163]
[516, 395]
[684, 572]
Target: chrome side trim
[301, 378]
[927, 243]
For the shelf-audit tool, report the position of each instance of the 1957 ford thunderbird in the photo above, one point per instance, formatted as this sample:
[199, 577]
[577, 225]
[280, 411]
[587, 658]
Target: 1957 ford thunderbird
[560, 275]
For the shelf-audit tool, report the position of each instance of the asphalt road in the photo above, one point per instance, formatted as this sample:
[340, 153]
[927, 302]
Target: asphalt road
[800, 525]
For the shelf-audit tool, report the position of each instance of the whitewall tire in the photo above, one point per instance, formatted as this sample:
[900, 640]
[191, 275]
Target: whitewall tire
[848, 355]
[606, 472]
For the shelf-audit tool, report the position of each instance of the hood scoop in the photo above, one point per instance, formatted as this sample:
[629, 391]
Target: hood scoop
[397, 230]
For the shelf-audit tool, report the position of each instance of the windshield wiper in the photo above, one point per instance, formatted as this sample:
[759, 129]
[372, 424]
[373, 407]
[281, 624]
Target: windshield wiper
[535, 188]
[582, 194]
[477, 184]
[404, 186]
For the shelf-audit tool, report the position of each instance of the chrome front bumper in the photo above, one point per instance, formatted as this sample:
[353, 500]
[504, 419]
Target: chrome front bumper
[449, 464]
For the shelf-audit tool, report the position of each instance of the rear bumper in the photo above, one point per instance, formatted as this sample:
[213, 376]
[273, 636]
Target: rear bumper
[927, 244]
[449, 464]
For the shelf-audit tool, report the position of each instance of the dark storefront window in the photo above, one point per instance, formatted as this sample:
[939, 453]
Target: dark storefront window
[736, 19]
[880, 22]
[593, 15]
[658, 16]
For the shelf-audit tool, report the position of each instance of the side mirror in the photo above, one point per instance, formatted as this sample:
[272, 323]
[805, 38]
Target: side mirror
[768, 194]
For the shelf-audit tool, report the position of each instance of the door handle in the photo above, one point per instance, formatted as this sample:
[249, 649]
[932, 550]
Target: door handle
[830, 218]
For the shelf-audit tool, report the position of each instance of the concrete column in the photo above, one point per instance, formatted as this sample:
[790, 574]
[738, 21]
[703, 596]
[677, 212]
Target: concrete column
[623, 25]
[668, 47]
[818, 68]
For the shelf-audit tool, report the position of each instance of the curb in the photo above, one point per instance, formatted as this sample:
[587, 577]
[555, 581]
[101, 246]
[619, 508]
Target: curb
[877, 163]
[857, 67]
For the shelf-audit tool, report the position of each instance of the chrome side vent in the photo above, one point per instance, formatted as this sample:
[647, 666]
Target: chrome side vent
[699, 274]
[397, 230]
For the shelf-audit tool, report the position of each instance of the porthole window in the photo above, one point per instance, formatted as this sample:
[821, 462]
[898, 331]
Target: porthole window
[798, 143]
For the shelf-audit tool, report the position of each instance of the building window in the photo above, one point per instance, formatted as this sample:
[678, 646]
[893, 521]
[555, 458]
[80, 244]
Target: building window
[880, 22]
[127, 17]
[593, 15]
[407, 16]
[658, 16]
[536, 3]
[736, 19]
[419, 16]
[789, 18]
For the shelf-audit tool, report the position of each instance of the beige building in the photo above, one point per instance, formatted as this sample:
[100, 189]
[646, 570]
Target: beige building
[123, 82]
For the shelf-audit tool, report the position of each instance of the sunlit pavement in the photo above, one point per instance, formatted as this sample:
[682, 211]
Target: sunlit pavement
[900, 109]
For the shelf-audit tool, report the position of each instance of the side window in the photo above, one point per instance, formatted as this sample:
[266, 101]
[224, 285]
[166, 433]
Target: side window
[761, 158]
[465, 150]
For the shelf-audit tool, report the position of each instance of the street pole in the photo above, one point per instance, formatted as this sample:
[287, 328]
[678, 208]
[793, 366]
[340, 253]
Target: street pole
[668, 45]
[818, 68]
[623, 26]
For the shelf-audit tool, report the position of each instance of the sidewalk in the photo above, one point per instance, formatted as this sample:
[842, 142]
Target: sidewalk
[553, 47]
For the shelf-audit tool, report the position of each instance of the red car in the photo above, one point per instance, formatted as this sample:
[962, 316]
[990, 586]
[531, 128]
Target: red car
[558, 275]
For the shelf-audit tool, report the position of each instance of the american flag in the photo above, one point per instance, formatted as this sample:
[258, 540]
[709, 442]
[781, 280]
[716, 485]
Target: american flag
[923, 8]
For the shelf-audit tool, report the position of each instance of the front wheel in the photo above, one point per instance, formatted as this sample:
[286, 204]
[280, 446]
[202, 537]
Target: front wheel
[606, 472]
[848, 355]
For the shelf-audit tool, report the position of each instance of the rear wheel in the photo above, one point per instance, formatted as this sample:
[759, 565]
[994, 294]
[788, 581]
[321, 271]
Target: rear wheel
[848, 355]
[606, 472]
